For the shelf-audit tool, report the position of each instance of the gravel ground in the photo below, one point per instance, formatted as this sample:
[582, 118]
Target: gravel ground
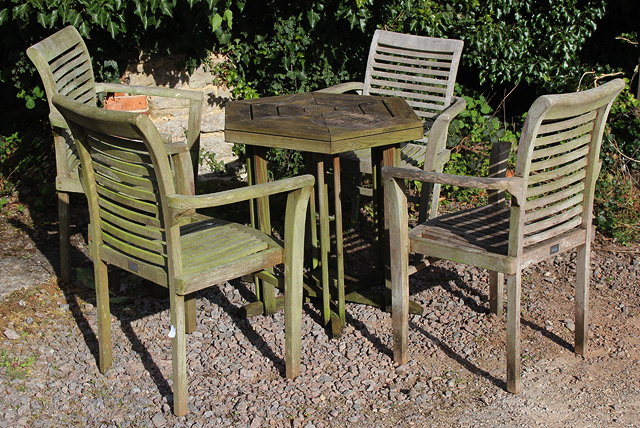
[49, 377]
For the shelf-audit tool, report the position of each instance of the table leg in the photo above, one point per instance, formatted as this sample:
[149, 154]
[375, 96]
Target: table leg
[337, 188]
[266, 291]
[323, 205]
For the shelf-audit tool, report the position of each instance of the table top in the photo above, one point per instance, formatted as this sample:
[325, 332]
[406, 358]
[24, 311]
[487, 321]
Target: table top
[321, 122]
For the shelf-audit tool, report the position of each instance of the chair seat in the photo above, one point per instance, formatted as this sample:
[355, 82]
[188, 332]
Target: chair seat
[482, 231]
[210, 247]
[411, 156]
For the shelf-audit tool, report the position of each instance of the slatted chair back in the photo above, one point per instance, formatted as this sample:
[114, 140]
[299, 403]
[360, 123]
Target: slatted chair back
[126, 177]
[558, 157]
[420, 69]
[64, 64]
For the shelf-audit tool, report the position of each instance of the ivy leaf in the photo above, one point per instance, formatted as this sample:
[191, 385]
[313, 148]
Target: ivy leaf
[165, 8]
[191, 3]
[228, 16]
[240, 5]
[21, 11]
[216, 21]
[113, 29]
[73, 18]
[212, 3]
[138, 9]
[37, 3]
[485, 109]
[313, 17]
[84, 30]
[4, 15]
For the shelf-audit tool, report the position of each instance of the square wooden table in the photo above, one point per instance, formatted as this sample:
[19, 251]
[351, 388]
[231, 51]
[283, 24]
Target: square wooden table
[327, 124]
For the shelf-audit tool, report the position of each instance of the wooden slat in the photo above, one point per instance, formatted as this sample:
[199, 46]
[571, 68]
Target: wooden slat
[432, 83]
[152, 272]
[100, 144]
[533, 228]
[138, 253]
[121, 211]
[409, 70]
[415, 53]
[561, 148]
[78, 63]
[81, 91]
[533, 215]
[557, 172]
[123, 177]
[564, 136]
[560, 160]
[129, 202]
[62, 59]
[72, 79]
[150, 232]
[132, 168]
[125, 190]
[410, 87]
[547, 128]
[548, 234]
[115, 230]
[87, 98]
[412, 61]
[555, 197]
[556, 184]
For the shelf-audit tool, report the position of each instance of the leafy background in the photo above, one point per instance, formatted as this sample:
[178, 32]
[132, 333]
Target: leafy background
[514, 51]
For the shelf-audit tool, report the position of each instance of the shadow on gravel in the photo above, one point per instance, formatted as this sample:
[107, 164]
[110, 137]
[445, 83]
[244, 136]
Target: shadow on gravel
[459, 359]
[375, 340]
[546, 333]
[217, 297]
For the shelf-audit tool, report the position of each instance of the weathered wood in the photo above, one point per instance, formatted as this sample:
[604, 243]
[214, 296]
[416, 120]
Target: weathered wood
[421, 70]
[64, 65]
[551, 212]
[140, 223]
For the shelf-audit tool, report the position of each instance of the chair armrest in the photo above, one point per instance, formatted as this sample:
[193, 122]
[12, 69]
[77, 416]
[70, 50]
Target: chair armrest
[455, 108]
[513, 185]
[343, 87]
[195, 102]
[154, 91]
[180, 204]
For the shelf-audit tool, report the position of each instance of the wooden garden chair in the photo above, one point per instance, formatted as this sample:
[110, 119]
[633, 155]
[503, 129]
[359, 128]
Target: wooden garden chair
[550, 213]
[64, 65]
[140, 221]
[422, 70]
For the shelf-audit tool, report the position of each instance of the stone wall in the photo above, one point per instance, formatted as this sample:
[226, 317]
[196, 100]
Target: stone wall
[170, 115]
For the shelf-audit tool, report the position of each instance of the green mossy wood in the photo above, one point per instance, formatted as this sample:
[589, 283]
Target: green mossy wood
[422, 70]
[64, 65]
[144, 221]
[551, 212]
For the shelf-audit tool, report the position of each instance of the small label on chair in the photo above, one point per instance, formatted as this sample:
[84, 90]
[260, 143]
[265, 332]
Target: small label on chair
[133, 266]
[554, 249]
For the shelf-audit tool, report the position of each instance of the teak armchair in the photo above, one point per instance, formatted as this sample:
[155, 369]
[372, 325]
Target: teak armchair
[422, 70]
[64, 65]
[140, 222]
[551, 212]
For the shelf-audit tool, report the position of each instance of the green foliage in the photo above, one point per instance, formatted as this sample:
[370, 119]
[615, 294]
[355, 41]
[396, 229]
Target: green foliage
[470, 138]
[208, 158]
[617, 203]
[508, 42]
[16, 367]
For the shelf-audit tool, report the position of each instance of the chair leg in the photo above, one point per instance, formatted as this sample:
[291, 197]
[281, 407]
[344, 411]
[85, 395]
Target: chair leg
[104, 314]
[293, 323]
[63, 232]
[582, 298]
[179, 354]
[514, 363]
[190, 313]
[496, 292]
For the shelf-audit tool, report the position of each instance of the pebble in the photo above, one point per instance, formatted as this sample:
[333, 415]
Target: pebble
[11, 334]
